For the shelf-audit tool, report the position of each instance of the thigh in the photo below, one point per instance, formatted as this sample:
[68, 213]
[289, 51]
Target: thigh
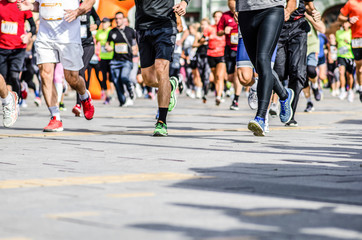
[70, 55]
[16, 60]
[146, 48]
[46, 53]
[249, 31]
[126, 70]
[164, 40]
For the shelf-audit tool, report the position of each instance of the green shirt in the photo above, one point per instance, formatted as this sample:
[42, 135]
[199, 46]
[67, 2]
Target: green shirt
[344, 39]
[313, 41]
[102, 36]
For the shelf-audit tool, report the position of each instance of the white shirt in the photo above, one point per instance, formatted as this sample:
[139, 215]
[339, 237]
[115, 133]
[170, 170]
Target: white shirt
[53, 27]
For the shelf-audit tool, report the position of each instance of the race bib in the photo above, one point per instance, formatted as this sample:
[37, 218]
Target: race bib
[357, 43]
[83, 31]
[343, 50]
[121, 48]
[9, 27]
[234, 38]
[51, 11]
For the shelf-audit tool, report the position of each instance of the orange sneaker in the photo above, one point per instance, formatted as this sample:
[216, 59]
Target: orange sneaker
[54, 125]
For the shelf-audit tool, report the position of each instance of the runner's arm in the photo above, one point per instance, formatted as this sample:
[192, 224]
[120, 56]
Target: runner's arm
[312, 11]
[97, 20]
[319, 26]
[86, 6]
[26, 5]
[32, 26]
[180, 8]
[289, 9]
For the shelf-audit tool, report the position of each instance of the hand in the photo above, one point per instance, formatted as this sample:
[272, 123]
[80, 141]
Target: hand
[70, 15]
[93, 27]
[24, 5]
[109, 48]
[180, 8]
[286, 14]
[236, 17]
[316, 15]
[25, 38]
[228, 30]
[353, 19]
[178, 42]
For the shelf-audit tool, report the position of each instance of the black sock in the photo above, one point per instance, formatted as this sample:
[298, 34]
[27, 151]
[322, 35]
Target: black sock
[236, 98]
[162, 114]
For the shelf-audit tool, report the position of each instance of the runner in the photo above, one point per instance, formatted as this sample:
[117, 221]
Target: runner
[345, 61]
[106, 57]
[333, 74]
[313, 48]
[124, 40]
[13, 41]
[86, 29]
[156, 35]
[58, 40]
[227, 26]
[215, 55]
[292, 49]
[261, 23]
[352, 12]
[9, 101]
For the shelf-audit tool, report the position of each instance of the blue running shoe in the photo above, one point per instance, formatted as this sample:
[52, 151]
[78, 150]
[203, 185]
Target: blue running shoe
[286, 111]
[257, 126]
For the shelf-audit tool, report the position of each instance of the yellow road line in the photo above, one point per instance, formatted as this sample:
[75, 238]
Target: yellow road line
[272, 212]
[131, 195]
[67, 134]
[72, 215]
[55, 182]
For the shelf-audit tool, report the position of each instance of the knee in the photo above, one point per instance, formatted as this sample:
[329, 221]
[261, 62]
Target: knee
[311, 71]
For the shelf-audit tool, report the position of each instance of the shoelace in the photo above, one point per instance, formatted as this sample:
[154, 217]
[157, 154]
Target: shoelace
[7, 110]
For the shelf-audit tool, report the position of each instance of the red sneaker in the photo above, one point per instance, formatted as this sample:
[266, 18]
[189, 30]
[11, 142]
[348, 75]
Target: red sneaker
[77, 110]
[88, 107]
[54, 125]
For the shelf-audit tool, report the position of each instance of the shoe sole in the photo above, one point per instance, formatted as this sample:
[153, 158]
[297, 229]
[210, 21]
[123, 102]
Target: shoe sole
[173, 96]
[76, 112]
[53, 130]
[234, 108]
[157, 134]
[256, 129]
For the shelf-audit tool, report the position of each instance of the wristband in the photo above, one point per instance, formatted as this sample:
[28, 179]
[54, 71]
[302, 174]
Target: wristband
[187, 1]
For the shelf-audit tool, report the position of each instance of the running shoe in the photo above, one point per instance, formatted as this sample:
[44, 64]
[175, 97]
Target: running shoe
[23, 103]
[37, 101]
[343, 95]
[253, 99]
[106, 101]
[317, 94]
[77, 110]
[54, 125]
[286, 111]
[309, 107]
[204, 99]
[234, 105]
[291, 123]
[218, 100]
[257, 126]
[350, 96]
[11, 111]
[173, 99]
[160, 130]
[273, 111]
[88, 107]
[62, 107]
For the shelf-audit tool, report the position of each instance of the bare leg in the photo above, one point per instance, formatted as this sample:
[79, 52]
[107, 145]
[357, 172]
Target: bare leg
[3, 89]
[49, 91]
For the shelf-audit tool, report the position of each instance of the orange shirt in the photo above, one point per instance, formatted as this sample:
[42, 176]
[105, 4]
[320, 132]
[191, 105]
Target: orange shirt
[216, 43]
[354, 8]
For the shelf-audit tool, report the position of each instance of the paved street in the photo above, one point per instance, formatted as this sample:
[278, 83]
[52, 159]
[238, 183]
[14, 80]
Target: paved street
[211, 179]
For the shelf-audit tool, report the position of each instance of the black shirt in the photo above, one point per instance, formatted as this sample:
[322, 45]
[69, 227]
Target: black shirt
[122, 48]
[153, 14]
[85, 33]
[299, 12]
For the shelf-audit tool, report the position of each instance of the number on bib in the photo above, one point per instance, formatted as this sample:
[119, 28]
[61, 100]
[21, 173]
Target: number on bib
[234, 38]
[9, 27]
[121, 48]
[357, 43]
[51, 11]
[83, 31]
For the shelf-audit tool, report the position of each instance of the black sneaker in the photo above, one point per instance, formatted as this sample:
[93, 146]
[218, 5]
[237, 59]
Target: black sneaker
[309, 107]
[291, 123]
[234, 105]
[317, 94]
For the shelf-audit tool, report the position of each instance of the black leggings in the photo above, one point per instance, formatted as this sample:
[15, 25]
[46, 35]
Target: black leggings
[261, 30]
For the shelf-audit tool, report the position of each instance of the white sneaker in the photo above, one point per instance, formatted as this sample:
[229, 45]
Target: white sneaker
[11, 111]
[198, 93]
[350, 97]
[138, 91]
[190, 94]
[253, 99]
[343, 95]
[23, 104]
[129, 102]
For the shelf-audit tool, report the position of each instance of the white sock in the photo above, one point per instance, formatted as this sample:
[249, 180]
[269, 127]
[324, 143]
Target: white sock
[84, 96]
[54, 111]
[315, 85]
[309, 99]
[7, 100]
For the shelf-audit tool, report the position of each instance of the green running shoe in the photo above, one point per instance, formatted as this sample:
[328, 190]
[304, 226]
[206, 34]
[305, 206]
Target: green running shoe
[173, 99]
[160, 130]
